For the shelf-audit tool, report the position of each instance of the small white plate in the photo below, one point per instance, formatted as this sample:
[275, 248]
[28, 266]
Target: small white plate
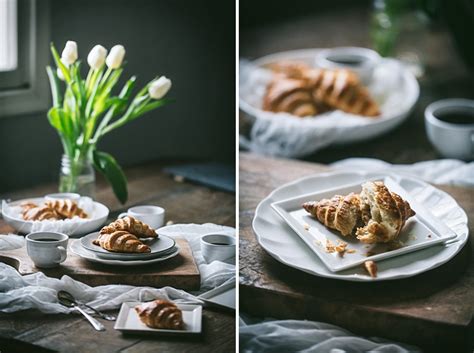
[221, 296]
[129, 322]
[77, 249]
[421, 231]
[159, 246]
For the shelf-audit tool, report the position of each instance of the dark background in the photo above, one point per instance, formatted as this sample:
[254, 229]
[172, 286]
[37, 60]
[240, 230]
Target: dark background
[270, 26]
[191, 42]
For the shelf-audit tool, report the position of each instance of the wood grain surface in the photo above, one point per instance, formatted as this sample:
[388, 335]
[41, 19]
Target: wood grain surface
[184, 202]
[180, 272]
[433, 310]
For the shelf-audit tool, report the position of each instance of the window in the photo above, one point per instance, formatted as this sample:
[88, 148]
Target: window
[24, 45]
[8, 35]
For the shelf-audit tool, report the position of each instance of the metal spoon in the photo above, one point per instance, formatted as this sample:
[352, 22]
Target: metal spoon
[64, 299]
[68, 296]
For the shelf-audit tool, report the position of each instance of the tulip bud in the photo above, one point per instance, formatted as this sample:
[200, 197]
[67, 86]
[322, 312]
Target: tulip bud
[115, 57]
[96, 57]
[69, 54]
[60, 73]
[159, 88]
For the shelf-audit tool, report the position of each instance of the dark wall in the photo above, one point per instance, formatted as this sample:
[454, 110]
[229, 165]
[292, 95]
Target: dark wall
[191, 42]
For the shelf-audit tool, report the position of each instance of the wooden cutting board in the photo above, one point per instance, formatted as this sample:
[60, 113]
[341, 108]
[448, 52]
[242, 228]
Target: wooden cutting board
[179, 272]
[433, 310]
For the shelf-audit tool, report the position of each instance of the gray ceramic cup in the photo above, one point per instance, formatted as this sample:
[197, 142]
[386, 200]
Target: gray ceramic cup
[217, 247]
[452, 140]
[47, 249]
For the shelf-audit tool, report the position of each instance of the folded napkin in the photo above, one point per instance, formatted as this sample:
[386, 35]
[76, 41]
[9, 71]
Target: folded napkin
[309, 336]
[37, 291]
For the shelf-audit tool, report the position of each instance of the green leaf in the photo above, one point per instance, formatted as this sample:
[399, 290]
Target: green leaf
[54, 83]
[153, 105]
[59, 64]
[108, 166]
[54, 118]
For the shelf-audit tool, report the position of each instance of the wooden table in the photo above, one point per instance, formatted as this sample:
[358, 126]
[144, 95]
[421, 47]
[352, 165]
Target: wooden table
[184, 203]
[433, 310]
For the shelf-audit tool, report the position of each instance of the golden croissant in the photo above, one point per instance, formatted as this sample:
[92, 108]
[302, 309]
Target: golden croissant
[330, 89]
[66, 208]
[131, 225]
[340, 212]
[376, 215]
[160, 314]
[121, 241]
[291, 96]
[42, 213]
[383, 212]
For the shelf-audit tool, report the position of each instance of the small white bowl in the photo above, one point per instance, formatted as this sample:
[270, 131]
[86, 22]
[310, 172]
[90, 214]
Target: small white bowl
[362, 61]
[217, 247]
[63, 196]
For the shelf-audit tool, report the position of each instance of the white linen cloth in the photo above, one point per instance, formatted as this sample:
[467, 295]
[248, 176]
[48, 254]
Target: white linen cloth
[310, 336]
[281, 134]
[300, 336]
[37, 291]
[442, 171]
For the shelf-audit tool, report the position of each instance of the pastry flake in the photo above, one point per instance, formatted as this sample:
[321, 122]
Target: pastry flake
[131, 225]
[371, 268]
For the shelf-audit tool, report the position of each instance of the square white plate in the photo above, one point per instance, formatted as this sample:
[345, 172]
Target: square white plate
[421, 231]
[223, 296]
[129, 322]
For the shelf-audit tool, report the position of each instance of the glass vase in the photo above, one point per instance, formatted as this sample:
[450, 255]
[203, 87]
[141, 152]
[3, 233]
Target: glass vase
[77, 175]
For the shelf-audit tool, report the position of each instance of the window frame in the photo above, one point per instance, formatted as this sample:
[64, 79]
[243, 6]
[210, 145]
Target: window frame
[27, 88]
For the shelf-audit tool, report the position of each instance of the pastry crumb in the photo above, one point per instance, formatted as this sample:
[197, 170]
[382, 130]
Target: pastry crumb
[341, 247]
[169, 223]
[306, 226]
[330, 248]
[317, 242]
[351, 251]
[371, 268]
[429, 235]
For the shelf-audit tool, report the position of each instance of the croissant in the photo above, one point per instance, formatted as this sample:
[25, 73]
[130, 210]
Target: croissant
[291, 96]
[121, 241]
[26, 206]
[330, 89]
[376, 215]
[131, 225]
[341, 213]
[160, 314]
[40, 214]
[66, 208]
[384, 213]
[341, 89]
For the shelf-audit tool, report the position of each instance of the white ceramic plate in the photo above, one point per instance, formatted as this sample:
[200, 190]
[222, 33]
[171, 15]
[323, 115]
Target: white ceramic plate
[421, 231]
[129, 322]
[77, 249]
[352, 133]
[79, 228]
[221, 296]
[281, 242]
[159, 246]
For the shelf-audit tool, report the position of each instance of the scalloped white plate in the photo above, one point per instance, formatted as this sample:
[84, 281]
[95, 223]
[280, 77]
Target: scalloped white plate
[281, 242]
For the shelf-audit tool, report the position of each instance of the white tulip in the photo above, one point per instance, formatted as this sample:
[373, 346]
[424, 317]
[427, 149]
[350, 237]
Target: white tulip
[96, 57]
[115, 57]
[60, 73]
[69, 54]
[159, 88]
